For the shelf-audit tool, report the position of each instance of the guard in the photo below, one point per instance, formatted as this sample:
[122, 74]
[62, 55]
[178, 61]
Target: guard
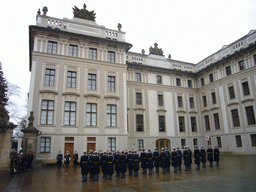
[110, 162]
[156, 159]
[122, 164]
[203, 155]
[175, 160]
[209, 155]
[75, 158]
[163, 160]
[135, 161]
[150, 162]
[129, 162]
[103, 162]
[179, 163]
[67, 159]
[197, 156]
[168, 159]
[143, 160]
[216, 155]
[59, 159]
[84, 164]
[186, 159]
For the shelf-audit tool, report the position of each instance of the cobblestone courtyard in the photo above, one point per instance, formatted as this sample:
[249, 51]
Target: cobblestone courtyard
[235, 173]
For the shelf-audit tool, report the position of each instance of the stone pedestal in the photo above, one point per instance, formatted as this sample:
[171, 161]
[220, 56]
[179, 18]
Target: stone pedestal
[6, 131]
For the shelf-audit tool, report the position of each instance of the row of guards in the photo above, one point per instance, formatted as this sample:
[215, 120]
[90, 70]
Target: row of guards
[109, 162]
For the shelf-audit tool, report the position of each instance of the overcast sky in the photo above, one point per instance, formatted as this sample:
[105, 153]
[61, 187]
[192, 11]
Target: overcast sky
[189, 30]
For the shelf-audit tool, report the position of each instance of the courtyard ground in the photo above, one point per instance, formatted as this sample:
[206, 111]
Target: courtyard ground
[235, 173]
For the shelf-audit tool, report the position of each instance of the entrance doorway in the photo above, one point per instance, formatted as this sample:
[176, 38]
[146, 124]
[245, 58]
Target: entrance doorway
[162, 143]
[91, 146]
[69, 147]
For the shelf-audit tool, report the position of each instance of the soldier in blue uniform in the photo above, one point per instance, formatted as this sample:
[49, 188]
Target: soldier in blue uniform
[168, 159]
[190, 156]
[104, 164]
[59, 159]
[110, 166]
[117, 163]
[186, 159]
[216, 155]
[197, 156]
[91, 164]
[129, 162]
[209, 155]
[135, 162]
[122, 164]
[95, 166]
[203, 155]
[174, 156]
[75, 158]
[150, 162]
[143, 160]
[179, 152]
[163, 160]
[84, 164]
[67, 159]
[156, 159]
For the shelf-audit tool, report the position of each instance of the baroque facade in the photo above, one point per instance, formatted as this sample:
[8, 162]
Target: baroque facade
[87, 91]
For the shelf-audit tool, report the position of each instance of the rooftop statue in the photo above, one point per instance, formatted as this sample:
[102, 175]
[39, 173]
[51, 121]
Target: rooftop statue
[156, 50]
[84, 13]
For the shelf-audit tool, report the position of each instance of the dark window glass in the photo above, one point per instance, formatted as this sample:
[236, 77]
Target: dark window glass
[139, 123]
[235, 118]
[202, 82]
[160, 100]
[207, 123]
[250, 115]
[191, 102]
[219, 142]
[231, 92]
[178, 82]
[159, 79]
[216, 120]
[228, 70]
[253, 139]
[183, 143]
[182, 124]
[193, 124]
[161, 123]
[238, 141]
[241, 65]
[211, 77]
[246, 88]
[214, 98]
[180, 101]
[138, 99]
[189, 83]
[204, 101]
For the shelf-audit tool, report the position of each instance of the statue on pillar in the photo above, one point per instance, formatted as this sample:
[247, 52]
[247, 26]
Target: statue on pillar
[84, 13]
[31, 119]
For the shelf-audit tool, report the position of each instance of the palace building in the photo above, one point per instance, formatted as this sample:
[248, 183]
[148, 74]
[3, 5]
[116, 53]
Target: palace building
[87, 91]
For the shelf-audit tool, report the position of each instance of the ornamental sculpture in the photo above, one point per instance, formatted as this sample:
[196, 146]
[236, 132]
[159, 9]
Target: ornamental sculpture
[45, 10]
[156, 50]
[83, 13]
[119, 26]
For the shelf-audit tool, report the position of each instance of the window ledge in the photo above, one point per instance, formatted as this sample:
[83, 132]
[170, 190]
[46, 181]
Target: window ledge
[71, 93]
[48, 91]
[192, 111]
[161, 110]
[92, 95]
[112, 127]
[139, 108]
[94, 127]
[205, 110]
[233, 103]
[246, 100]
[111, 97]
[214, 108]
[70, 126]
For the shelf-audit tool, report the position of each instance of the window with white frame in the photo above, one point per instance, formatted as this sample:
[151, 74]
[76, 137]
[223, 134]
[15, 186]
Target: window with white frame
[70, 113]
[49, 77]
[92, 81]
[52, 47]
[111, 56]
[111, 115]
[47, 111]
[111, 143]
[92, 53]
[45, 144]
[91, 114]
[71, 79]
[140, 144]
[111, 83]
[72, 50]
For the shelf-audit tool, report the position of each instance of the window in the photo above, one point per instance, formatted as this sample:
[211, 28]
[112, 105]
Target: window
[195, 142]
[70, 113]
[181, 124]
[253, 139]
[189, 83]
[111, 56]
[47, 112]
[250, 115]
[219, 142]
[216, 120]
[49, 77]
[228, 70]
[45, 144]
[231, 92]
[138, 77]
[161, 120]
[179, 101]
[111, 115]
[238, 141]
[193, 124]
[246, 88]
[241, 65]
[211, 77]
[139, 123]
[214, 98]
[140, 144]
[111, 143]
[92, 81]
[71, 82]
[207, 123]
[111, 83]
[159, 79]
[52, 47]
[91, 114]
[138, 99]
[191, 102]
[235, 118]
[93, 53]
[204, 101]
[202, 82]
[178, 82]
[183, 143]
[72, 50]
[160, 100]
